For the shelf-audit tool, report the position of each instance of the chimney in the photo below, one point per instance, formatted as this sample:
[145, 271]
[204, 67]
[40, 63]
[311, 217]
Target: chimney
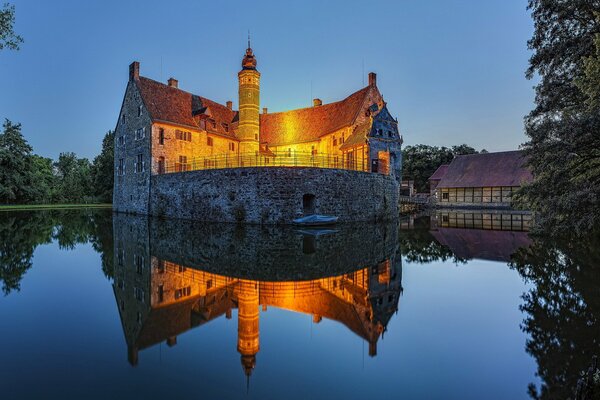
[317, 102]
[134, 71]
[229, 104]
[173, 82]
[265, 110]
[372, 79]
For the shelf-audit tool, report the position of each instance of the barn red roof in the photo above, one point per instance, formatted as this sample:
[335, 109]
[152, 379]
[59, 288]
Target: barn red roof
[439, 173]
[308, 124]
[487, 169]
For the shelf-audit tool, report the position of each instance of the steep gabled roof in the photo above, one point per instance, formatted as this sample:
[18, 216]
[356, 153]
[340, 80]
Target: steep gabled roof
[358, 136]
[439, 173]
[488, 169]
[308, 124]
[176, 106]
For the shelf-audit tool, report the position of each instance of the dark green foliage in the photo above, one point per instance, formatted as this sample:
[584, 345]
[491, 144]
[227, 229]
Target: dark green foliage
[418, 244]
[22, 232]
[562, 310]
[74, 179]
[419, 162]
[15, 153]
[564, 127]
[8, 38]
[103, 170]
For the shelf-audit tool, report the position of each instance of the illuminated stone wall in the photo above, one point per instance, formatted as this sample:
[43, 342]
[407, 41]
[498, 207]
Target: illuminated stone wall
[273, 195]
[195, 149]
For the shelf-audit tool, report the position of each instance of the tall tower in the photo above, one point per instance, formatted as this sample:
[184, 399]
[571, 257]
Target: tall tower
[248, 334]
[249, 103]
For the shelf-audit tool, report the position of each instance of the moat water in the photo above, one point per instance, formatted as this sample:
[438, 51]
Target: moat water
[448, 306]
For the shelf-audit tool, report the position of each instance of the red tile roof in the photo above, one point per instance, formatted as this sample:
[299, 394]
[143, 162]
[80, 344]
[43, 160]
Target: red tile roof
[308, 124]
[173, 105]
[439, 173]
[488, 169]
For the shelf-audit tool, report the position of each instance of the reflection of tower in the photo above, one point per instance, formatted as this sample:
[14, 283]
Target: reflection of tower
[249, 103]
[248, 342]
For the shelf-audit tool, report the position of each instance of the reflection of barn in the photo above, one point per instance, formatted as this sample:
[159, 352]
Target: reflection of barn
[491, 236]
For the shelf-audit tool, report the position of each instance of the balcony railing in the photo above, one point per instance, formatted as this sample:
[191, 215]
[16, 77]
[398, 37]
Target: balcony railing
[242, 160]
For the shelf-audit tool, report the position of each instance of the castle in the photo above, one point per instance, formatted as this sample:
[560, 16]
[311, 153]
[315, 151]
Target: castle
[163, 130]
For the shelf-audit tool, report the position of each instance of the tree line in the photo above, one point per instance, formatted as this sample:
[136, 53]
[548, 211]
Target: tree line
[28, 178]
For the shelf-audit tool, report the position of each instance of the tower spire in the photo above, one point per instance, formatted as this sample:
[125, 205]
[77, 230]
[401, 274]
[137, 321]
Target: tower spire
[248, 38]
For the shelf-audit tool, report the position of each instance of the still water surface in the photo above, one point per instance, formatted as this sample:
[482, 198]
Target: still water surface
[453, 306]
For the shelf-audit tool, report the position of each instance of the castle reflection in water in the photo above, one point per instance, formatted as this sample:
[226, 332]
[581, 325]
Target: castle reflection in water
[172, 276]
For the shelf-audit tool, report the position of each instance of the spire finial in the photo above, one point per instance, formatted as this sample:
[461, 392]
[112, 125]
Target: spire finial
[248, 38]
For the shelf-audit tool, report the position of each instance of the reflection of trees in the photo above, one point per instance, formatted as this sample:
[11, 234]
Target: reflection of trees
[562, 310]
[419, 245]
[22, 232]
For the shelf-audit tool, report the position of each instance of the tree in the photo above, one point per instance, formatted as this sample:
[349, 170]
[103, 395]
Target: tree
[74, 179]
[564, 126]
[103, 170]
[590, 82]
[561, 310]
[421, 161]
[8, 38]
[15, 154]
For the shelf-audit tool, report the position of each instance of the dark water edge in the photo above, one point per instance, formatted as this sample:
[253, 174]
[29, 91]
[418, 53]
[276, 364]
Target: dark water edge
[99, 304]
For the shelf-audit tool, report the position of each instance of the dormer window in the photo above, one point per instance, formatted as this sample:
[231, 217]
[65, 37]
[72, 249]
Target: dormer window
[225, 126]
[211, 123]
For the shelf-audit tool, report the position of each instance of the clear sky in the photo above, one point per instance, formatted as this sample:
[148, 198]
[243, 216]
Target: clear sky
[451, 71]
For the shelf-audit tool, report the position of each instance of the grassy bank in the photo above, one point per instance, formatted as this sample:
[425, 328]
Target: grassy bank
[51, 206]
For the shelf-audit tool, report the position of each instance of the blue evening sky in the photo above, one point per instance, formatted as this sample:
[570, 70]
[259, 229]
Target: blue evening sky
[451, 71]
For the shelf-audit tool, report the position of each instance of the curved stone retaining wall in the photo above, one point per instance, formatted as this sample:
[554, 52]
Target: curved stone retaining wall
[273, 195]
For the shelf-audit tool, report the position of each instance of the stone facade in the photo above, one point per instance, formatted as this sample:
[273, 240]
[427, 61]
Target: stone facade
[273, 195]
[132, 145]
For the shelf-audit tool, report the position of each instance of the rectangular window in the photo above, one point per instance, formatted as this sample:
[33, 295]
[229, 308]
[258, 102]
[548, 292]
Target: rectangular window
[123, 118]
[121, 140]
[225, 126]
[121, 169]
[161, 136]
[183, 164]
[232, 146]
[209, 141]
[139, 111]
[183, 135]
[334, 141]
[138, 293]
[161, 293]
[140, 133]
[445, 196]
[183, 292]
[140, 164]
